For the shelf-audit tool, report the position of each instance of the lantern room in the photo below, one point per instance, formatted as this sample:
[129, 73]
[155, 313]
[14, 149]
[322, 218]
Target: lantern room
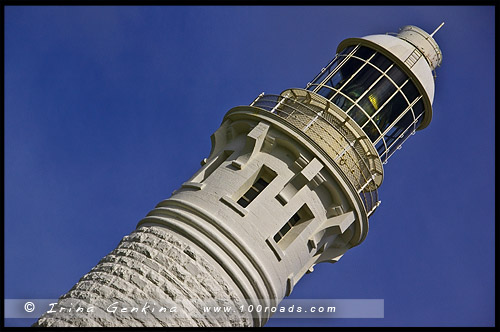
[385, 83]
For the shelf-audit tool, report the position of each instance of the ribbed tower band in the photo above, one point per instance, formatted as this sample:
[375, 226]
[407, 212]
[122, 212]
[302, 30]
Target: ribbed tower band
[149, 264]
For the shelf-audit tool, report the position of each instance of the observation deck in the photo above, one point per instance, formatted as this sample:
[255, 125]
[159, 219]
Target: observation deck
[336, 133]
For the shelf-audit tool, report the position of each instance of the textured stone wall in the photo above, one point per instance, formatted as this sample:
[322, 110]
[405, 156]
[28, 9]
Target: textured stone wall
[154, 267]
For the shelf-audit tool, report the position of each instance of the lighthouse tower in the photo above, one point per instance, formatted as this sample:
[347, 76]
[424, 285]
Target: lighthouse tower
[290, 182]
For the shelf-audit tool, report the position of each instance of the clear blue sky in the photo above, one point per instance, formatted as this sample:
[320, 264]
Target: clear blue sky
[109, 109]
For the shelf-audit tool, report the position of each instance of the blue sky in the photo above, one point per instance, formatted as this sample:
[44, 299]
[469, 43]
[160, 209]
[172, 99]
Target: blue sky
[109, 109]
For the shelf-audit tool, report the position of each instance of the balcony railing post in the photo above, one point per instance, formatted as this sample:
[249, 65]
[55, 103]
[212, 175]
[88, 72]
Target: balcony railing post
[278, 104]
[256, 99]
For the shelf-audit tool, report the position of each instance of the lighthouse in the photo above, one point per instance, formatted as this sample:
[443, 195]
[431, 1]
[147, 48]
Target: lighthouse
[290, 182]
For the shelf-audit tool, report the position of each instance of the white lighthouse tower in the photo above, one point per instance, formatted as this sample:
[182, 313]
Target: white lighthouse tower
[290, 182]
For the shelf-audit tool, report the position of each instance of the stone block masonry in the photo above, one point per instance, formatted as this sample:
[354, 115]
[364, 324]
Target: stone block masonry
[156, 272]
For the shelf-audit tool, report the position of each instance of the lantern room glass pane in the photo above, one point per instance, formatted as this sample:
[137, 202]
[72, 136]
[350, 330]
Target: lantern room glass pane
[342, 101]
[346, 51]
[394, 132]
[390, 112]
[405, 121]
[392, 137]
[361, 82]
[377, 96]
[326, 92]
[381, 61]
[418, 108]
[358, 115]
[397, 75]
[331, 67]
[334, 81]
[347, 70]
[364, 52]
[410, 91]
[328, 70]
[371, 130]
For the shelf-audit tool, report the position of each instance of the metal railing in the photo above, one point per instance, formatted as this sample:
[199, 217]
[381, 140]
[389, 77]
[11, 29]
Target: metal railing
[334, 138]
